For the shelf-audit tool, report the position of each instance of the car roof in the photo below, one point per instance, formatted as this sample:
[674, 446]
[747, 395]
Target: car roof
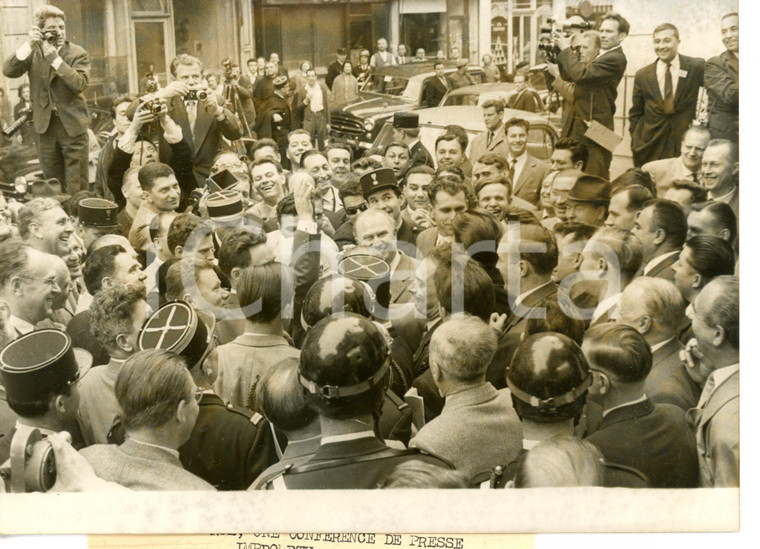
[484, 88]
[407, 70]
[470, 117]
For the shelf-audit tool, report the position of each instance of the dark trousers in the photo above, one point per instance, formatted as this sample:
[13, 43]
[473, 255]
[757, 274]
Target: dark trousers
[316, 125]
[64, 157]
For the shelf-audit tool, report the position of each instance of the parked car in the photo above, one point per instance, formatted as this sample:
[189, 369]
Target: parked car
[542, 134]
[390, 90]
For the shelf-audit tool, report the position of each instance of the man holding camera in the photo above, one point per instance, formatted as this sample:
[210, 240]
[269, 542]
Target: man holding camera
[595, 88]
[59, 72]
[199, 112]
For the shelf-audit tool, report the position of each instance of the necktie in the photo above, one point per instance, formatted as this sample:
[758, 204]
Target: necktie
[490, 137]
[512, 164]
[668, 90]
[695, 177]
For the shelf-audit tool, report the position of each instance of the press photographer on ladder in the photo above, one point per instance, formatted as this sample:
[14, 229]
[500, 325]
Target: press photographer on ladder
[59, 72]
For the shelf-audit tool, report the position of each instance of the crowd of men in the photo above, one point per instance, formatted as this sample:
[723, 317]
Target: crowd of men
[411, 319]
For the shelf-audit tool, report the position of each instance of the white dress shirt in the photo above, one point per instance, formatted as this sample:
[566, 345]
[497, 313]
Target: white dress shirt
[521, 160]
[675, 68]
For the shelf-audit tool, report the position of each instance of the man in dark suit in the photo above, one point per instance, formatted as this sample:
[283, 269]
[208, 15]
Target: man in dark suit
[661, 228]
[722, 83]
[436, 87]
[336, 67]
[654, 308]
[526, 172]
[664, 99]
[406, 128]
[634, 431]
[595, 89]
[275, 117]
[59, 72]
[204, 122]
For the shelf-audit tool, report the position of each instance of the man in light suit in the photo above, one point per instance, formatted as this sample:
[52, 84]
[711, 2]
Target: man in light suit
[686, 166]
[448, 196]
[493, 139]
[664, 99]
[204, 122]
[715, 358]
[654, 307]
[478, 427]
[634, 431]
[720, 172]
[661, 227]
[722, 83]
[157, 381]
[526, 171]
[59, 72]
[595, 90]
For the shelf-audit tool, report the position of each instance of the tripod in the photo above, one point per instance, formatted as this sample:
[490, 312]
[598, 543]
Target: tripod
[232, 95]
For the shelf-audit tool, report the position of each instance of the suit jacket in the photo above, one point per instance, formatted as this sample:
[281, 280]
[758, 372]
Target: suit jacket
[527, 100]
[229, 447]
[668, 382]
[267, 127]
[364, 462]
[498, 145]
[333, 71]
[716, 425]
[60, 88]
[653, 438]
[477, 429]
[407, 231]
[722, 83]
[402, 280]
[141, 467]
[434, 91]
[664, 172]
[663, 268]
[528, 185]
[345, 88]
[656, 128]
[595, 89]
[244, 360]
[206, 141]
[263, 89]
[97, 402]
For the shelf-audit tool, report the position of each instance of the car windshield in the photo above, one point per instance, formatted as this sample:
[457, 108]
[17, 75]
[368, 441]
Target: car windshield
[386, 84]
[473, 99]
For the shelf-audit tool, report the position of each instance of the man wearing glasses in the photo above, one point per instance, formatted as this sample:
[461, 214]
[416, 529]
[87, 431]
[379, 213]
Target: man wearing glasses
[27, 284]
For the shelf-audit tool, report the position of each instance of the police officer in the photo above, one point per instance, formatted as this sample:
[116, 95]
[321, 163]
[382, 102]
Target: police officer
[549, 379]
[337, 296]
[344, 369]
[97, 217]
[39, 372]
[229, 447]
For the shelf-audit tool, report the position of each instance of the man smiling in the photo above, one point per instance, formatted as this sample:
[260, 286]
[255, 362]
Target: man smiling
[45, 226]
[664, 99]
[525, 171]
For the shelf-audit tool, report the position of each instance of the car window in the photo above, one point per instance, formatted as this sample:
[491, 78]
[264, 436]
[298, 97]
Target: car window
[540, 143]
[457, 100]
[413, 91]
[386, 84]
[477, 75]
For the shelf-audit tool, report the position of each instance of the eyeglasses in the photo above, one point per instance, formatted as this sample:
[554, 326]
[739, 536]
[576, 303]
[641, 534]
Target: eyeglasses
[353, 210]
[52, 282]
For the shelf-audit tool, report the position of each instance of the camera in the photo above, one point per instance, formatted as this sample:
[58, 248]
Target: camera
[31, 467]
[196, 95]
[154, 106]
[229, 75]
[50, 36]
[26, 116]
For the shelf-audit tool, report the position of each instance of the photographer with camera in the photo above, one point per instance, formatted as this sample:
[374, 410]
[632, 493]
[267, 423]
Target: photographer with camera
[237, 90]
[199, 112]
[595, 88]
[59, 72]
